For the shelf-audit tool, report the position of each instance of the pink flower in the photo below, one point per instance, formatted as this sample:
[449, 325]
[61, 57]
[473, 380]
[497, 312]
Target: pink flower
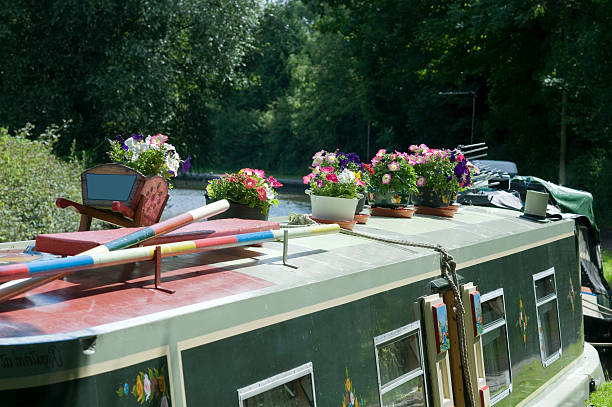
[386, 179]
[332, 178]
[327, 170]
[250, 183]
[275, 184]
[158, 139]
[307, 178]
[393, 166]
[460, 158]
[261, 191]
[420, 181]
[320, 183]
[381, 152]
[359, 182]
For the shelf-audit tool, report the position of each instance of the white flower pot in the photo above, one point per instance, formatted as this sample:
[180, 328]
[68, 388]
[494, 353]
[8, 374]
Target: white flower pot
[332, 208]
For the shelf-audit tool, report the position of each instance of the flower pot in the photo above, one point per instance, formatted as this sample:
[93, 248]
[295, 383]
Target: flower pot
[390, 199]
[433, 199]
[332, 208]
[360, 205]
[241, 211]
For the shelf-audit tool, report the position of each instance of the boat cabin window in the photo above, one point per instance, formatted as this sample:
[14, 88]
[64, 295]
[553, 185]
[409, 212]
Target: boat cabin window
[294, 388]
[545, 289]
[495, 349]
[399, 361]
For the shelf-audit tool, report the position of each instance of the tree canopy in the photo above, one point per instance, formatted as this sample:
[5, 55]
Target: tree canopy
[243, 83]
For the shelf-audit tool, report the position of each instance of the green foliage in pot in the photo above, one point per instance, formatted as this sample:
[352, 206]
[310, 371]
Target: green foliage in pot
[443, 171]
[392, 172]
[150, 156]
[248, 187]
[336, 175]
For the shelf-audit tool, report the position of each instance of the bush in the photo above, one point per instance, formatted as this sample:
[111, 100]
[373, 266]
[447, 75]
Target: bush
[31, 178]
[602, 397]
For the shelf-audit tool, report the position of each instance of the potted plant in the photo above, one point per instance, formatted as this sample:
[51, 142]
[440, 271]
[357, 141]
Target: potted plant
[150, 155]
[136, 183]
[334, 187]
[250, 193]
[392, 180]
[441, 174]
[353, 163]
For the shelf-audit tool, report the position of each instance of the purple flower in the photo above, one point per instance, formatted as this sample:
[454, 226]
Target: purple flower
[186, 164]
[119, 138]
[137, 137]
[449, 178]
[353, 157]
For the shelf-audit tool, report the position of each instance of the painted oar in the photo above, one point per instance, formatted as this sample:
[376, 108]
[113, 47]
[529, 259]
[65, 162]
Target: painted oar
[68, 265]
[15, 288]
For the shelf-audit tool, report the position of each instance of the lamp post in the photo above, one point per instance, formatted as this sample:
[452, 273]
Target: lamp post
[468, 93]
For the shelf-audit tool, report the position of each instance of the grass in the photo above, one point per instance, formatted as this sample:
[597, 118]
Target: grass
[602, 397]
[607, 265]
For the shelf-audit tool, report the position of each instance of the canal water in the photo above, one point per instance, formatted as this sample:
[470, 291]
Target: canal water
[182, 200]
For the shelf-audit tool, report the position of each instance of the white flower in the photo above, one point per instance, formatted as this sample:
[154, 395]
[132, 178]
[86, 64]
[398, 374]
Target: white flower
[270, 193]
[346, 176]
[147, 386]
[172, 162]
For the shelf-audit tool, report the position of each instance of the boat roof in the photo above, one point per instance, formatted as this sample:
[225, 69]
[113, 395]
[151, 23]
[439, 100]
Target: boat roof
[235, 286]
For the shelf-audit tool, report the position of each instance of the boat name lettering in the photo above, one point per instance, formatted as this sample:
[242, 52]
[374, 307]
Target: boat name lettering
[52, 358]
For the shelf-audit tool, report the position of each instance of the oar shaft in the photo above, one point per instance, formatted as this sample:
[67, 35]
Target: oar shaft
[68, 265]
[131, 239]
[162, 227]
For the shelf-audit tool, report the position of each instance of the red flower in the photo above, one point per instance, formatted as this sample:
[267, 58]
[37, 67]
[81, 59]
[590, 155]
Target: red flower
[272, 181]
[332, 178]
[250, 183]
[261, 191]
[368, 168]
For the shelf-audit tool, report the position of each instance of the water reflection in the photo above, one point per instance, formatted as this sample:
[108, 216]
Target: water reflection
[182, 200]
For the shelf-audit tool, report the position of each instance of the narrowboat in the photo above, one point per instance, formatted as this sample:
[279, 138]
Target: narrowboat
[371, 317]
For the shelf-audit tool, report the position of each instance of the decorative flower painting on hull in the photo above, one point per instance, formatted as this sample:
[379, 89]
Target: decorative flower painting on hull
[150, 388]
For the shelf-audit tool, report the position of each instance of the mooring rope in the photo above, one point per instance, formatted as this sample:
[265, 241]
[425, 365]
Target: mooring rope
[448, 269]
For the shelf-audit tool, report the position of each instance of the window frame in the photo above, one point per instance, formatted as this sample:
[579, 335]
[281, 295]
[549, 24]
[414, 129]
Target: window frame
[277, 380]
[545, 300]
[404, 331]
[495, 325]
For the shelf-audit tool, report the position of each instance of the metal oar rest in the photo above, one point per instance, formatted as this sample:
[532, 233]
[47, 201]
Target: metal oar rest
[120, 195]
